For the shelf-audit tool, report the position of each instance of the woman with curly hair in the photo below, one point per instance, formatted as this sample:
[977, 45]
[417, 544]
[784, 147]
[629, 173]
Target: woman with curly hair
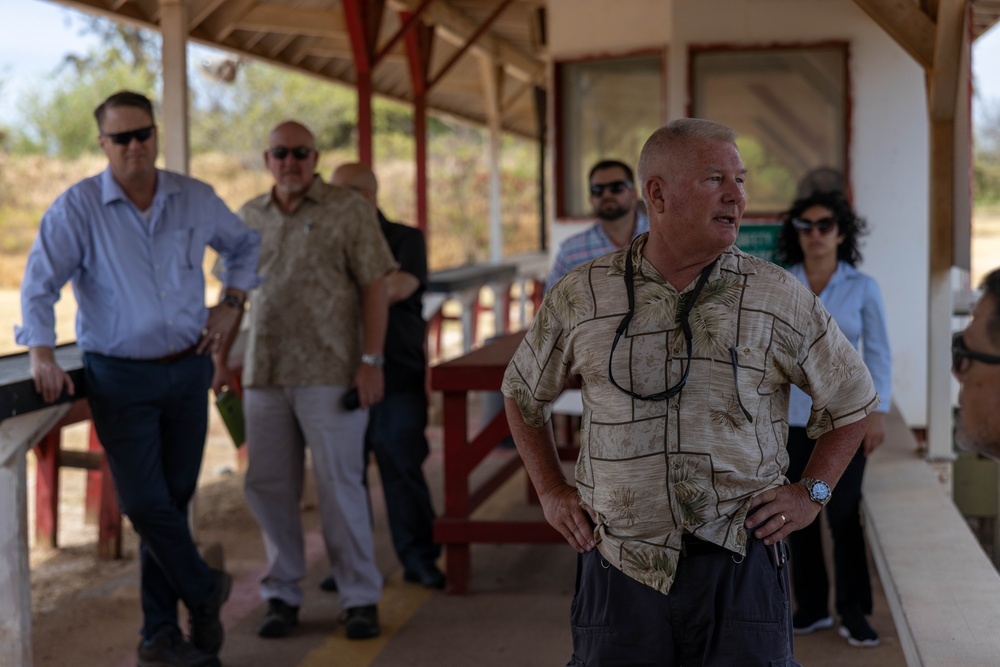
[819, 243]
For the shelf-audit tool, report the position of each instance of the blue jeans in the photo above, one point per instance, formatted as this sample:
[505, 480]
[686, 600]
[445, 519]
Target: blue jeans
[396, 436]
[151, 418]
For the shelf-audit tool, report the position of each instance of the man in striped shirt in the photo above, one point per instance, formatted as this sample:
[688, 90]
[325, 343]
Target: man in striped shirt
[613, 196]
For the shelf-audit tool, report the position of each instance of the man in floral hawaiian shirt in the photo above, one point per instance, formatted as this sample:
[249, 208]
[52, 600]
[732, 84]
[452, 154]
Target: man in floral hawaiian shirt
[686, 348]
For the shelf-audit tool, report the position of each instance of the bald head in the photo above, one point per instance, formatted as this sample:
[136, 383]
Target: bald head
[358, 177]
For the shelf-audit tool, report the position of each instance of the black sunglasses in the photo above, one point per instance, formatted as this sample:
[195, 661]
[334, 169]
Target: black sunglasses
[281, 152]
[959, 353]
[824, 225]
[688, 304]
[616, 187]
[125, 138]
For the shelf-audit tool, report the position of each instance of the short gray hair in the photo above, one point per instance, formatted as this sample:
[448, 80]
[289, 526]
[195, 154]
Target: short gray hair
[665, 140]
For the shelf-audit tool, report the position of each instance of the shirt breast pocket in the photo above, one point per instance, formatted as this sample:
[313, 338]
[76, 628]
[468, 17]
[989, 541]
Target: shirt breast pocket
[736, 386]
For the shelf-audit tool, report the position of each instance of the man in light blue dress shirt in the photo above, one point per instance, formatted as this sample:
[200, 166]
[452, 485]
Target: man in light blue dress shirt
[131, 240]
[619, 220]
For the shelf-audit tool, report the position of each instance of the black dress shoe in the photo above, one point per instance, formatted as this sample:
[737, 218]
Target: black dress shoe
[329, 584]
[279, 620]
[428, 575]
[362, 622]
[205, 630]
[167, 648]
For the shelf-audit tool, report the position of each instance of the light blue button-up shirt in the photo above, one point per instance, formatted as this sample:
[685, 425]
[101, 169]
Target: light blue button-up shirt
[855, 302]
[139, 285]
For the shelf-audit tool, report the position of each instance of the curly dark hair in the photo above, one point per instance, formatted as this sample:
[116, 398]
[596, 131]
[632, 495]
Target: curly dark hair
[848, 224]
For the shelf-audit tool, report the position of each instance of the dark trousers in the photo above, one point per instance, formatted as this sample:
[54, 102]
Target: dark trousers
[396, 435]
[152, 418]
[721, 611]
[810, 582]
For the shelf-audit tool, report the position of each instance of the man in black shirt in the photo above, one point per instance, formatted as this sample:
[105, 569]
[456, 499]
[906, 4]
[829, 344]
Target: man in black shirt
[396, 425]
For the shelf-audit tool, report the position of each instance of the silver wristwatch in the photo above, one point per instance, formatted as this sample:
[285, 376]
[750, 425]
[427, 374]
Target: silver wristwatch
[373, 360]
[819, 491]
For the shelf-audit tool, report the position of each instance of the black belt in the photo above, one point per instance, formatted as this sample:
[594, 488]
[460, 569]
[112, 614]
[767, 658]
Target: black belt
[691, 546]
[175, 356]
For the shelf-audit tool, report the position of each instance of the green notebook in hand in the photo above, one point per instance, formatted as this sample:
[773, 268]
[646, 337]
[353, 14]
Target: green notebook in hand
[231, 409]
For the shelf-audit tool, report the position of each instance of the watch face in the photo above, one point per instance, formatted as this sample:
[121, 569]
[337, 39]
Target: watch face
[819, 491]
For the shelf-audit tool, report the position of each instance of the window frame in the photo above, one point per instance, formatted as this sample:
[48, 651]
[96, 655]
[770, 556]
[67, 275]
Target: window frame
[844, 46]
[559, 134]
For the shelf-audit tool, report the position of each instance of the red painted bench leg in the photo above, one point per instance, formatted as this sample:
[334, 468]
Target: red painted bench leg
[109, 537]
[92, 506]
[47, 490]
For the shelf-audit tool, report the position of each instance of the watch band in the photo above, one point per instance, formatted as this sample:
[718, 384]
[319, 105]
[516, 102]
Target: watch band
[373, 360]
[819, 491]
[232, 301]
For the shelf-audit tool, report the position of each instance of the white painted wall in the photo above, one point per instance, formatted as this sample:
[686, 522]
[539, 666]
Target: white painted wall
[889, 132]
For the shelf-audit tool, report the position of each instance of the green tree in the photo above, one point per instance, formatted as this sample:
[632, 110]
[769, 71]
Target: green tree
[58, 116]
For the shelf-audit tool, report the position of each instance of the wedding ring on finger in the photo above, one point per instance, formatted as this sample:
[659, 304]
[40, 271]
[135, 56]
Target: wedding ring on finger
[783, 519]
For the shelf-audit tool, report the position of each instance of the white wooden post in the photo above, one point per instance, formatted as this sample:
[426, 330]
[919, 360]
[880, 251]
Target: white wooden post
[17, 435]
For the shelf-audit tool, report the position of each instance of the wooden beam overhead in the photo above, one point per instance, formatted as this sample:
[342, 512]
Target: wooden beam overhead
[200, 10]
[222, 22]
[943, 78]
[286, 20]
[456, 28]
[907, 24]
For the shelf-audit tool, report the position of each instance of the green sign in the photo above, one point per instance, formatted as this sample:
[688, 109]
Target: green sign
[759, 239]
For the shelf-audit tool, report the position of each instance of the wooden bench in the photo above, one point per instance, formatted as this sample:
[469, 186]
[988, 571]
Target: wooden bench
[18, 397]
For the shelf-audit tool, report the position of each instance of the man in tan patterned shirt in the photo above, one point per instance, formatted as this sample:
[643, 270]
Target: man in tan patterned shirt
[317, 328]
[686, 348]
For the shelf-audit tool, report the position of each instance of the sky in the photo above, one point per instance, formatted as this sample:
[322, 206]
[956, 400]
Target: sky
[36, 35]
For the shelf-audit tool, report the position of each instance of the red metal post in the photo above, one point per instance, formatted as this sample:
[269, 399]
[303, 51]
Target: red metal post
[363, 18]
[47, 489]
[95, 480]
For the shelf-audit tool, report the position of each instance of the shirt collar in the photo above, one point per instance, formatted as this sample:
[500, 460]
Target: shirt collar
[111, 191]
[314, 193]
[731, 260]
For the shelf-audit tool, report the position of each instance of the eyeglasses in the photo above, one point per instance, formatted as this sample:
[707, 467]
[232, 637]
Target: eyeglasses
[125, 138]
[960, 353]
[689, 300]
[824, 225]
[299, 152]
[616, 187]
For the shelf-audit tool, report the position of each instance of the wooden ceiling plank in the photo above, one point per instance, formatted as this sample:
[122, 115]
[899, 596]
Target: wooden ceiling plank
[457, 28]
[410, 22]
[200, 10]
[477, 33]
[287, 20]
[222, 23]
[907, 24]
[943, 77]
